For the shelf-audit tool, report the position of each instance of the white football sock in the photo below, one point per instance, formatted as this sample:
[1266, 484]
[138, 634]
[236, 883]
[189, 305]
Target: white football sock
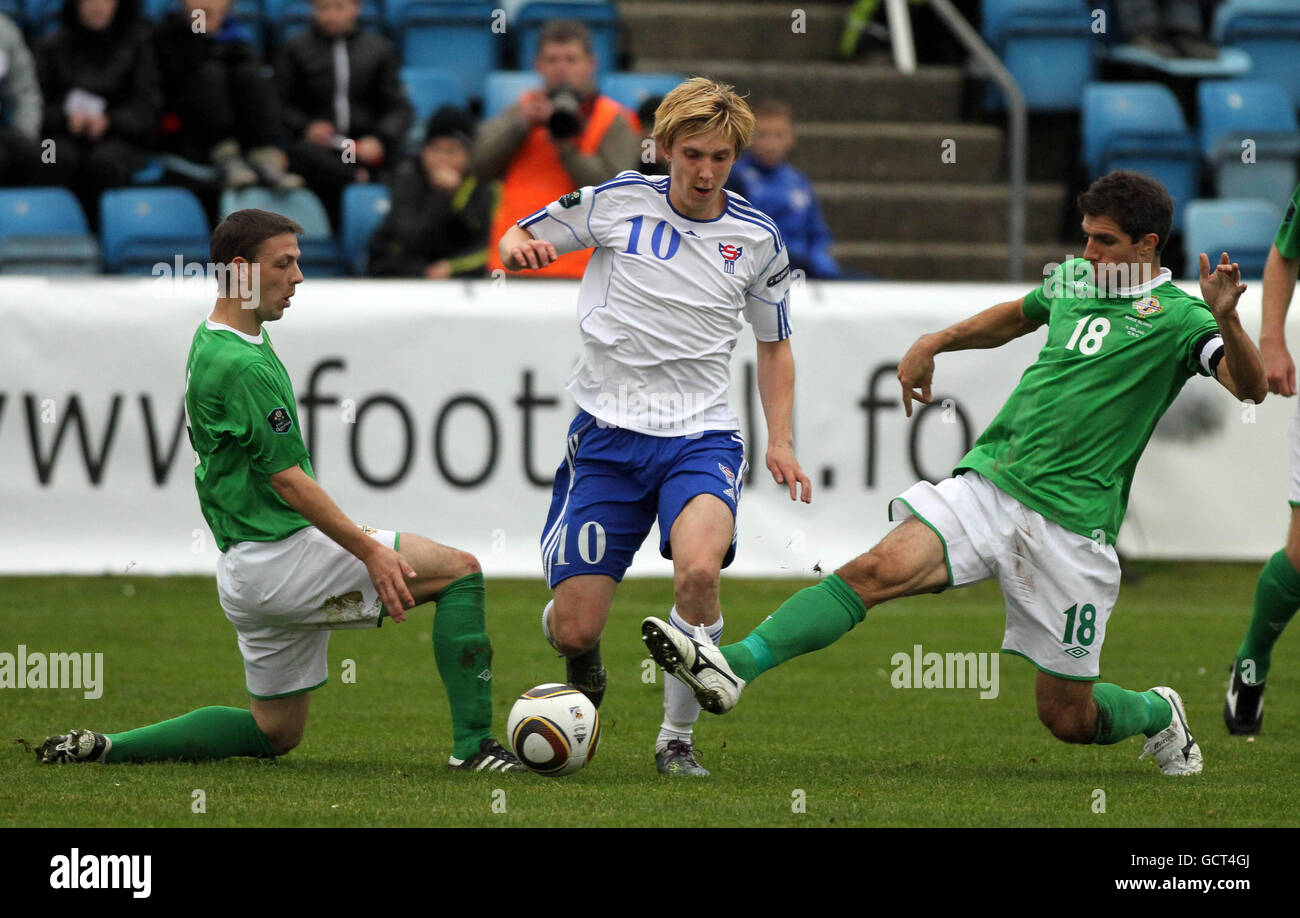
[681, 710]
[546, 624]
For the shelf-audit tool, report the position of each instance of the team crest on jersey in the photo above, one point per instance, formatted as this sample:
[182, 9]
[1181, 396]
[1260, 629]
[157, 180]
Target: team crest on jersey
[730, 477]
[730, 253]
[1148, 306]
[571, 199]
[279, 420]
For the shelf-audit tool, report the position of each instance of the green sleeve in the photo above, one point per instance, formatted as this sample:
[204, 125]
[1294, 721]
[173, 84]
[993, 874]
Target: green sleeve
[262, 421]
[1038, 302]
[1288, 234]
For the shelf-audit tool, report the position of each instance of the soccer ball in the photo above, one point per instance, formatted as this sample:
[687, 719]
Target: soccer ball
[554, 729]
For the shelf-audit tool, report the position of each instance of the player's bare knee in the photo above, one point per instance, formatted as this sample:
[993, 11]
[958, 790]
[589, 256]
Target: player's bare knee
[572, 635]
[695, 582]
[869, 575]
[467, 564]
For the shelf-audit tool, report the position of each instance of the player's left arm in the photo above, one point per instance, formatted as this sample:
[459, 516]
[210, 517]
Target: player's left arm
[776, 390]
[1241, 369]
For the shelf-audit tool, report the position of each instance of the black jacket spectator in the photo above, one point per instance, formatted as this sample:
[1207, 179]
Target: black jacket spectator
[219, 99]
[377, 103]
[426, 226]
[373, 108]
[115, 64]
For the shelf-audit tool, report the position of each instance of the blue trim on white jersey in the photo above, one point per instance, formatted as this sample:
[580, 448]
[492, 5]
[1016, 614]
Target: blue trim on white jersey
[532, 218]
[739, 215]
[753, 211]
[619, 182]
[572, 232]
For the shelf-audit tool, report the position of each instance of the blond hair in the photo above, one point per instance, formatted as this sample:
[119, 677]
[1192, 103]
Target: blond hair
[700, 105]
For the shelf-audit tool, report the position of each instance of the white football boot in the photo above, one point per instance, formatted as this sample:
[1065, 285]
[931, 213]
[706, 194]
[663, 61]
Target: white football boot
[1174, 749]
[697, 663]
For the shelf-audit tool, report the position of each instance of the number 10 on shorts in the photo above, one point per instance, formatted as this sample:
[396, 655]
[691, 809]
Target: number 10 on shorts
[591, 543]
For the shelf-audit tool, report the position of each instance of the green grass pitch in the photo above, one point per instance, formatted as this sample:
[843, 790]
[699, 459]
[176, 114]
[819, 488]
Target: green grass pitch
[825, 740]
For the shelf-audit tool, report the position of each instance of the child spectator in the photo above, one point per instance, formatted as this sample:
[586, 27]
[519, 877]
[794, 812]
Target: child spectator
[438, 224]
[100, 86]
[783, 192]
[344, 105]
[219, 102]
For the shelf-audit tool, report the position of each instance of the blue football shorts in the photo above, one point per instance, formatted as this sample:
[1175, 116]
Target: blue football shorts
[612, 485]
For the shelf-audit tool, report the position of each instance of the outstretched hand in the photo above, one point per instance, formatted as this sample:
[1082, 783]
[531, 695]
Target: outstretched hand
[916, 372]
[1222, 287]
[785, 470]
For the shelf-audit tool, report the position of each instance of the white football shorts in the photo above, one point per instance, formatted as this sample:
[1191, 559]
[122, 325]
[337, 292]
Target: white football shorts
[1059, 586]
[285, 597]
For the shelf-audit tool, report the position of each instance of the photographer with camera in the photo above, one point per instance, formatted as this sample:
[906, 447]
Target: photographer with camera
[555, 139]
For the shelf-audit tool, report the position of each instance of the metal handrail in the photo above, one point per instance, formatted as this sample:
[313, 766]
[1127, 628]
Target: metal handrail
[1017, 120]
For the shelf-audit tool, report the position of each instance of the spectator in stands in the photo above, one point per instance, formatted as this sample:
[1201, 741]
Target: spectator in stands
[783, 192]
[344, 106]
[20, 108]
[438, 224]
[654, 159]
[555, 139]
[220, 102]
[100, 86]
[1169, 28]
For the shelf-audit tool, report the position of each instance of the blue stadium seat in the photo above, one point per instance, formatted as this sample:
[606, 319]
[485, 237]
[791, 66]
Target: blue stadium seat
[600, 18]
[1243, 229]
[142, 227]
[43, 231]
[503, 87]
[1048, 46]
[1139, 126]
[364, 208]
[320, 253]
[430, 88]
[42, 17]
[454, 36]
[631, 89]
[1235, 112]
[1268, 31]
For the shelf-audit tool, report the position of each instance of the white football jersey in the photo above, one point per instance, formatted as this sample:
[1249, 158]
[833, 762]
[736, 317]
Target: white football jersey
[661, 301]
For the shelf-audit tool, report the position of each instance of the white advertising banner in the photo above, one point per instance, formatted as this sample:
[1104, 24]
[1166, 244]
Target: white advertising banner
[439, 408]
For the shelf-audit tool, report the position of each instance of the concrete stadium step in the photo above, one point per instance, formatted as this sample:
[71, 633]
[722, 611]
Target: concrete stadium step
[898, 151]
[830, 91]
[872, 211]
[945, 261]
[745, 30]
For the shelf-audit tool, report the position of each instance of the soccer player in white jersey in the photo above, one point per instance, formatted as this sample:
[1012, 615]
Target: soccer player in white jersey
[679, 265]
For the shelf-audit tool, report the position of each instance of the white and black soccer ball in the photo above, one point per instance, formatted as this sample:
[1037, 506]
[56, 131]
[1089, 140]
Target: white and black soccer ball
[554, 729]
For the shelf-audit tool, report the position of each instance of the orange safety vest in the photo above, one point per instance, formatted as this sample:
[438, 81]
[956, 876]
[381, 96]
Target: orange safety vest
[537, 176]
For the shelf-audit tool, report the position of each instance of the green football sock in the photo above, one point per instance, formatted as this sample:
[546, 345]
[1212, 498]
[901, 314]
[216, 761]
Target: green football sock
[1122, 713]
[464, 657]
[208, 733]
[1277, 596]
[811, 619]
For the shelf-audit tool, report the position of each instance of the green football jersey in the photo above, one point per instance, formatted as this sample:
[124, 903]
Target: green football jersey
[1288, 234]
[243, 425]
[1068, 439]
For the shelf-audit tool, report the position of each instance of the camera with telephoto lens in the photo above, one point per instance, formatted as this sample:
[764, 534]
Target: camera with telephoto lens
[566, 119]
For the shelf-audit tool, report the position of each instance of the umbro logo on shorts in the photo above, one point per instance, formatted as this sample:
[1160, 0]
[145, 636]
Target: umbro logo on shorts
[1077, 652]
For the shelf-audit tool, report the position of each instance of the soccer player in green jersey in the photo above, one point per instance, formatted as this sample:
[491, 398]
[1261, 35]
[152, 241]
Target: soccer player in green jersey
[1038, 500]
[1277, 594]
[293, 567]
